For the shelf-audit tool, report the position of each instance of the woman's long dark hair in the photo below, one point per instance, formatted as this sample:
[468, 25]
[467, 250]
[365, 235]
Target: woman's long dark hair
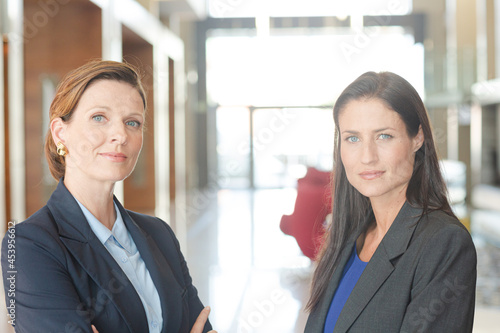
[351, 209]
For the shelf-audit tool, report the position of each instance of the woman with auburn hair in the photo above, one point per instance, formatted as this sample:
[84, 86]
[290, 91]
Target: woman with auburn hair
[83, 263]
[395, 259]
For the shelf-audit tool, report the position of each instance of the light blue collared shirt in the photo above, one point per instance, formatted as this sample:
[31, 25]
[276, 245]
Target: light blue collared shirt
[122, 248]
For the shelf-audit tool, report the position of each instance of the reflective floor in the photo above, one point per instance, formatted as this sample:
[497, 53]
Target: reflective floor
[253, 276]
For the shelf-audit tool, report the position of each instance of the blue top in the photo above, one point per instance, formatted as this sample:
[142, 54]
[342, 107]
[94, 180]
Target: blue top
[122, 248]
[350, 276]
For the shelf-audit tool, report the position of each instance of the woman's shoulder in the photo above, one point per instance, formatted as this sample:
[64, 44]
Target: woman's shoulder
[438, 227]
[38, 233]
[41, 223]
[439, 219]
[149, 223]
[441, 242]
[159, 231]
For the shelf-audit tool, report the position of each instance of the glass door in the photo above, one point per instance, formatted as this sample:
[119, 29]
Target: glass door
[271, 147]
[286, 141]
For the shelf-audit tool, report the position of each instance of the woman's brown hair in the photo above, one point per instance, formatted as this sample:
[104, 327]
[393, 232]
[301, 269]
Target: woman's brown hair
[71, 89]
[351, 210]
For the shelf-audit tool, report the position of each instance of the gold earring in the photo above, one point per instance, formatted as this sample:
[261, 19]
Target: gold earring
[61, 149]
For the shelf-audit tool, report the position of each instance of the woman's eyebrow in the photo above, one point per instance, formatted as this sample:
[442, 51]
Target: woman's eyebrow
[350, 132]
[374, 131]
[383, 129]
[100, 107]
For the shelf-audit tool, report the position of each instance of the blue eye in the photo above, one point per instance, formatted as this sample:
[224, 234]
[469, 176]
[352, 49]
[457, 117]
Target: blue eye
[133, 123]
[352, 139]
[385, 136]
[98, 118]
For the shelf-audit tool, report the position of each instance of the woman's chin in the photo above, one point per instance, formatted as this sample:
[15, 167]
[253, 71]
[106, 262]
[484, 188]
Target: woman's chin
[114, 177]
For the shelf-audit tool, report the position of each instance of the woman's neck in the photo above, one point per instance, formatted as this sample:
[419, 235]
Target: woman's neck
[96, 196]
[385, 211]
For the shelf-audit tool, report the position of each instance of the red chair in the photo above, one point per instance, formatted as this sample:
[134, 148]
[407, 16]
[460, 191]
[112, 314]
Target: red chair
[312, 205]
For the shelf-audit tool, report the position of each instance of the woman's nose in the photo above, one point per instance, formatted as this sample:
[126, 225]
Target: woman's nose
[119, 134]
[369, 153]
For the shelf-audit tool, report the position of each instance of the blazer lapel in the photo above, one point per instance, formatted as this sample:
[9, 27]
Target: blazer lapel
[317, 318]
[80, 240]
[376, 272]
[161, 273]
[380, 267]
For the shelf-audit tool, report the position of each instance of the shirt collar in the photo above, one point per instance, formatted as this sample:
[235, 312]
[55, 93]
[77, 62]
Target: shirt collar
[119, 231]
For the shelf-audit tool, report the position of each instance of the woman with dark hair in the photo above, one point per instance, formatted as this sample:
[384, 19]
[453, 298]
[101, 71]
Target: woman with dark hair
[83, 263]
[395, 258]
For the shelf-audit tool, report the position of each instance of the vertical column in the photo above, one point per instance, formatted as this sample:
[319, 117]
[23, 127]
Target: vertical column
[490, 19]
[451, 45]
[481, 41]
[161, 86]
[251, 166]
[3, 213]
[452, 139]
[111, 32]
[451, 78]
[496, 33]
[476, 128]
[15, 75]
[497, 132]
[112, 50]
[467, 45]
[180, 152]
[201, 111]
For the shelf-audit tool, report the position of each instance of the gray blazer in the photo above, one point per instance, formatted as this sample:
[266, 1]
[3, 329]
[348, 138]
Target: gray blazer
[421, 278]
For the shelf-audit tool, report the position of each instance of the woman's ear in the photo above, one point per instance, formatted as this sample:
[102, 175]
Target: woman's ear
[418, 140]
[57, 129]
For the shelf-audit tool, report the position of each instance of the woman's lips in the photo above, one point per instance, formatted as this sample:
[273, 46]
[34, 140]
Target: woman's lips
[371, 174]
[114, 157]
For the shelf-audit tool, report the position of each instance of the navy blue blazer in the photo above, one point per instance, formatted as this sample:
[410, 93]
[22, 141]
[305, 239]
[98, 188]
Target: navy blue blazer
[421, 278]
[65, 280]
